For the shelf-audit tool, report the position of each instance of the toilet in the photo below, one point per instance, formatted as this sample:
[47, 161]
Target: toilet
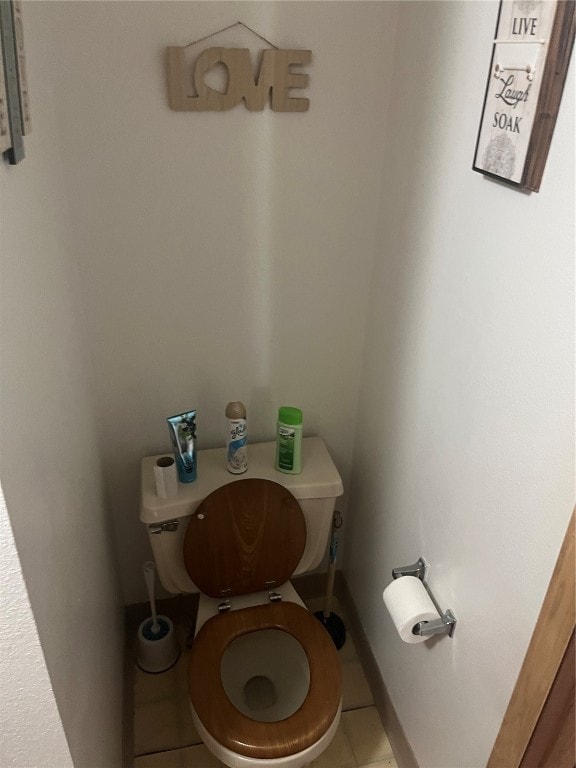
[264, 675]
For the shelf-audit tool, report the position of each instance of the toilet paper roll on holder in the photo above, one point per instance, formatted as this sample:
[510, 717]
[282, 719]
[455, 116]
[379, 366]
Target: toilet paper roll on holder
[446, 624]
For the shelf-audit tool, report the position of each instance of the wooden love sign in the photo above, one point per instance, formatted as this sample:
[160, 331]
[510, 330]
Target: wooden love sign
[274, 74]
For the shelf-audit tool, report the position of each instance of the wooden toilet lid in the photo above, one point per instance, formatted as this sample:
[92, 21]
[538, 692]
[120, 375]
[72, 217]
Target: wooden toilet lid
[228, 725]
[246, 536]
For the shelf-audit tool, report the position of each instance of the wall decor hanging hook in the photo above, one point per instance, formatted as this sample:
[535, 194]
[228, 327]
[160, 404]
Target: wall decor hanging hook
[528, 69]
[231, 26]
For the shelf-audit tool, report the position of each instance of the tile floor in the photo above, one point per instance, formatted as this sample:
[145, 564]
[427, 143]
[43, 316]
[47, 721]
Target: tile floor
[165, 736]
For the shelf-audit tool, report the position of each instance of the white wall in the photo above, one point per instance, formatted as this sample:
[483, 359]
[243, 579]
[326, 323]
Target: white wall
[202, 258]
[30, 723]
[464, 444]
[51, 470]
[224, 255]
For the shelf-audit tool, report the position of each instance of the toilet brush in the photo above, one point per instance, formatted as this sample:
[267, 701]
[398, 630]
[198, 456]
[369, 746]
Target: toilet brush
[158, 647]
[332, 622]
[149, 571]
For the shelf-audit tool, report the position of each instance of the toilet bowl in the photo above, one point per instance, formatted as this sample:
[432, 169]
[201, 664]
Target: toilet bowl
[264, 676]
[264, 686]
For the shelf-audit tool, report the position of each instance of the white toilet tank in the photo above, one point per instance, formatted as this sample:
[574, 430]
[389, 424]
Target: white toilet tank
[316, 488]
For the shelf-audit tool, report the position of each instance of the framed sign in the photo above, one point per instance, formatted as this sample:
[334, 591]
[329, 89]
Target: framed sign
[530, 58]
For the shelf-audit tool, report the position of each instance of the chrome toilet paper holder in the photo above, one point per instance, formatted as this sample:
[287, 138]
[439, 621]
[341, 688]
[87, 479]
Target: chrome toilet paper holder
[446, 624]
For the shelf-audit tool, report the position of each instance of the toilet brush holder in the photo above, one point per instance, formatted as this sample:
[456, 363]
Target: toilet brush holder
[159, 650]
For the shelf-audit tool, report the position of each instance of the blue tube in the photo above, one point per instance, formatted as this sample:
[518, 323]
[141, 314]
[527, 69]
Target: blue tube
[183, 435]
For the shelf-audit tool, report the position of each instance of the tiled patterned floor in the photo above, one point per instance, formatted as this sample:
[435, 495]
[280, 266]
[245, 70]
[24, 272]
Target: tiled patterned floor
[165, 736]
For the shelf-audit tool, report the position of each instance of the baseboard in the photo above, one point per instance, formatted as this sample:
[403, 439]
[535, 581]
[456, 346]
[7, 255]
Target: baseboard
[400, 744]
[310, 585]
[181, 609]
[128, 700]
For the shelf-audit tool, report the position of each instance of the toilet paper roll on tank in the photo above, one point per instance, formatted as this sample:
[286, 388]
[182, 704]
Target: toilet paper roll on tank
[166, 477]
[409, 603]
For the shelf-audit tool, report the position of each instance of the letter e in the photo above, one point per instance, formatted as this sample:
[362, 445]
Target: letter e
[284, 80]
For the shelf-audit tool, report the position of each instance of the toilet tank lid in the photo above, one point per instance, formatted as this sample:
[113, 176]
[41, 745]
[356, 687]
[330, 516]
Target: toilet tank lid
[319, 478]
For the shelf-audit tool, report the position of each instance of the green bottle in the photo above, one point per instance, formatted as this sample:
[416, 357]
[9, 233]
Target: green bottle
[289, 440]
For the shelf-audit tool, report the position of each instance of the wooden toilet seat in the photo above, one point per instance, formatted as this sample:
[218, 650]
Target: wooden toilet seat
[230, 727]
[244, 537]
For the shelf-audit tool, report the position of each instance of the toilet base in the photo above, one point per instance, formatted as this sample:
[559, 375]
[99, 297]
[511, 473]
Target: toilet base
[298, 760]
